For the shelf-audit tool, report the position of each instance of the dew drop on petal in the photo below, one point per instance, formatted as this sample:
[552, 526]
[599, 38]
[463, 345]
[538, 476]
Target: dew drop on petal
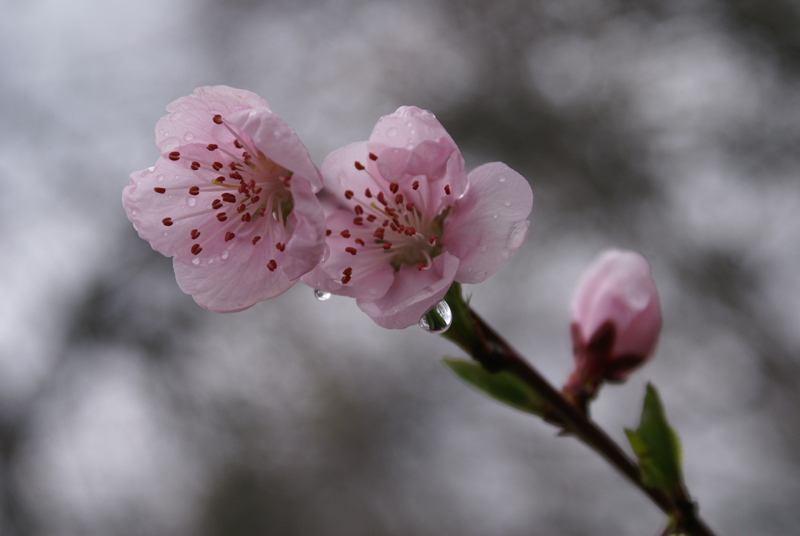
[494, 216]
[133, 213]
[409, 123]
[160, 178]
[392, 132]
[517, 235]
[502, 179]
[188, 136]
[438, 319]
[191, 200]
[195, 261]
[321, 295]
[507, 203]
[224, 255]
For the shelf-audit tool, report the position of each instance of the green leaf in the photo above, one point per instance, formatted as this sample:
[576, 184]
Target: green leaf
[657, 446]
[502, 386]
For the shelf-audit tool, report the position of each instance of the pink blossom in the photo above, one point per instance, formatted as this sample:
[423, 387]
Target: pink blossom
[231, 199]
[405, 220]
[616, 320]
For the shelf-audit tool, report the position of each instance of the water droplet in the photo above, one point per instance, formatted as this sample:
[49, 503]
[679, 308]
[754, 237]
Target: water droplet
[188, 136]
[164, 233]
[191, 200]
[517, 235]
[195, 261]
[321, 295]
[507, 203]
[438, 319]
[392, 132]
[224, 255]
[133, 213]
[494, 216]
[409, 123]
[502, 179]
[413, 131]
[160, 178]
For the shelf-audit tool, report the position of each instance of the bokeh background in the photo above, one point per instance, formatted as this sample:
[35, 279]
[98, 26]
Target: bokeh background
[670, 127]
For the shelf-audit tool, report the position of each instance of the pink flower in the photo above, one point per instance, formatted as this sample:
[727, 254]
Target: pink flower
[231, 199]
[616, 320]
[405, 221]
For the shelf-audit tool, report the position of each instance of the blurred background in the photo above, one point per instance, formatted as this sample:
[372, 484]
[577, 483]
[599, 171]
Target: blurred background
[667, 127]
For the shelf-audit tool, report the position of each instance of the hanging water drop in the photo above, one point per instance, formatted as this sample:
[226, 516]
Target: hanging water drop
[438, 319]
[321, 295]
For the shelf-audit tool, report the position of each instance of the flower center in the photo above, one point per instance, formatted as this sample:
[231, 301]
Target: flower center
[247, 194]
[394, 222]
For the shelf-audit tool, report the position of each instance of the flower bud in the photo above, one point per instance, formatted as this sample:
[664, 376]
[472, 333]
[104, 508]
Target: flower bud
[616, 319]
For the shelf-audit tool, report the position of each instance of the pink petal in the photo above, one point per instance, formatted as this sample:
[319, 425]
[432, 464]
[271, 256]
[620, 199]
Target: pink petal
[619, 287]
[409, 125]
[307, 229]
[273, 137]
[412, 293]
[488, 224]
[190, 117]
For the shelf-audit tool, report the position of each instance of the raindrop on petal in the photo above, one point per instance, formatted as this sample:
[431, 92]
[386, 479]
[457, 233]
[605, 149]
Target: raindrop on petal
[438, 319]
[507, 203]
[160, 178]
[224, 255]
[321, 295]
[502, 179]
[188, 136]
[392, 132]
[191, 200]
[517, 235]
[195, 261]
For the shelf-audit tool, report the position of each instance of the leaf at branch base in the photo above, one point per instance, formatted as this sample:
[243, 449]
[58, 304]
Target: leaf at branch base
[502, 386]
[657, 446]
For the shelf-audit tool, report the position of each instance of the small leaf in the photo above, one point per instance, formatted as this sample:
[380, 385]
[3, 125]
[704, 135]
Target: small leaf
[502, 386]
[657, 446]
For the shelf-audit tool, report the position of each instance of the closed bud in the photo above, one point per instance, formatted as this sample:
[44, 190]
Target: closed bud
[616, 320]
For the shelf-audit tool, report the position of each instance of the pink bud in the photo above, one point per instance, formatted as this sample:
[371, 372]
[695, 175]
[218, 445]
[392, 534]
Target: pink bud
[616, 319]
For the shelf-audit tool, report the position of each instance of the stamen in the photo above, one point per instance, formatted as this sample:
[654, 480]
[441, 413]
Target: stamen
[229, 236]
[447, 189]
[280, 247]
[256, 239]
[328, 232]
[367, 193]
[351, 250]
[196, 249]
[360, 166]
[174, 156]
[194, 190]
[222, 216]
[212, 147]
[360, 242]
[160, 190]
[195, 234]
[271, 265]
[415, 185]
[348, 194]
[218, 119]
[195, 166]
[167, 221]
[387, 245]
[373, 156]
[345, 233]
[346, 279]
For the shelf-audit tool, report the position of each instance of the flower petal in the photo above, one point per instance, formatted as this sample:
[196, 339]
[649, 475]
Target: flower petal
[273, 137]
[412, 293]
[409, 125]
[307, 227]
[488, 224]
[190, 117]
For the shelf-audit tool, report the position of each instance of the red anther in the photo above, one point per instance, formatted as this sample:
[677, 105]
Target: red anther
[393, 226]
[415, 185]
[401, 228]
[422, 266]
[246, 217]
[409, 206]
[378, 233]
[382, 199]
[174, 155]
[257, 190]
[194, 190]
[195, 166]
[398, 199]
[385, 223]
[217, 204]
[237, 144]
[351, 251]
[256, 239]
[218, 119]
[236, 175]
[167, 221]
[160, 190]
[195, 234]
[347, 271]
[212, 146]
[447, 189]
[359, 166]
[373, 156]
[241, 189]
[359, 210]
[348, 194]
[391, 212]
[217, 166]
[272, 265]
[222, 216]
[387, 245]
[345, 233]
[328, 232]
[254, 200]
[367, 193]
[241, 208]
[220, 179]
[229, 236]
[280, 247]
[196, 249]
[371, 217]
[432, 240]
[346, 279]
[359, 242]
[228, 197]
[232, 166]
[410, 231]
[262, 211]
[393, 187]
[358, 220]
